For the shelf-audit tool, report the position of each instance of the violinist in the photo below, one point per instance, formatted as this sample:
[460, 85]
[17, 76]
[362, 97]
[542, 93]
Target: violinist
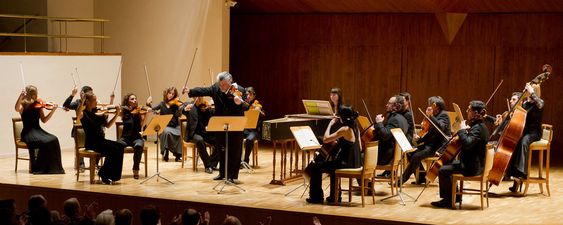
[432, 141]
[170, 137]
[133, 118]
[68, 104]
[383, 130]
[94, 123]
[472, 138]
[198, 118]
[407, 113]
[532, 132]
[347, 154]
[227, 103]
[47, 160]
[252, 134]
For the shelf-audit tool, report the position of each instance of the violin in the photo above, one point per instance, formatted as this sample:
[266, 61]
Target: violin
[175, 101]
[203, 105]
[233, 91]
[424, 128]
[106, 109]
[137, 110]
[40, 104]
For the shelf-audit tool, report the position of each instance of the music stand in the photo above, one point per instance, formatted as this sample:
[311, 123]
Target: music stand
[226, 124]
[251, 123]
[405, 146]
[155, 125]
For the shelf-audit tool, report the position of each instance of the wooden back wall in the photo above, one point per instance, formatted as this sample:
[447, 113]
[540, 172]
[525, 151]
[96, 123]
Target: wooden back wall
[289, 57]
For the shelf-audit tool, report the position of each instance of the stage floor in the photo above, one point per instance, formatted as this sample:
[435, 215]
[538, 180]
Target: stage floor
[197, 187]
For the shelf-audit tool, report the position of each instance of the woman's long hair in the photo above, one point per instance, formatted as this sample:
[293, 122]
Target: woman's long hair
[30, 96]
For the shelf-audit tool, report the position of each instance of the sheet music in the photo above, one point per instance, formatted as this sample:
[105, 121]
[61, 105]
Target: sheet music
[305, 137]
[402, 140]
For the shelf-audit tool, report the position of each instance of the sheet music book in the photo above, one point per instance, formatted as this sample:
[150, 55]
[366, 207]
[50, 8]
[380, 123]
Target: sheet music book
[318, 107]
[402, 140]
[305, 137]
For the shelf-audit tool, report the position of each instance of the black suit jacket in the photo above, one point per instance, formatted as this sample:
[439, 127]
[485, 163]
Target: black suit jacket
[433, 138]
[224, 105]
[473, 149]
[197, 121]
[385, 137]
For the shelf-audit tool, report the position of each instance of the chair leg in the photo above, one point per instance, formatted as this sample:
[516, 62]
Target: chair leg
[92, 169]
[454, 192]
[336, 189]
[146, 152]
[184, 153]
[481, 193]
[547, 170]
[487, 192]
[372, 189]
[17, 157]
[362, 189]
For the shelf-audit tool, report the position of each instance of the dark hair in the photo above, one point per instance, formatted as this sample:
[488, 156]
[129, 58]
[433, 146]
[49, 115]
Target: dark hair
[41, 215]
[517, 93]
[480, 109]
[86, 89]
[250, 90]
[348, 115]
[338, 92]
[150, 215]
[123, 217]
[125, 101]
[231, 220]
[439, 101]
[406, 95]
[71, 207]
[190, 217]
[399, 105]
[165, 92]
[35, 201]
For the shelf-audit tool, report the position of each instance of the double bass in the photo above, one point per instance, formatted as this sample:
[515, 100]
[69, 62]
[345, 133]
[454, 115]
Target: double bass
[512, 132]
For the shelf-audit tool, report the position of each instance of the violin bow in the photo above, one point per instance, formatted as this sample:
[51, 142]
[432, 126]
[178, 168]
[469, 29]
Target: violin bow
[210, 74]
[21, 72]
[191, 66]
[148, 83]
[73, 80]
[366, 107]
[435, 126]
[117, 78]
[77, 75]
[493, 94]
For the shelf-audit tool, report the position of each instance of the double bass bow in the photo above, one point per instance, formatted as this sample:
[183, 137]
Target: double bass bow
[512, 132]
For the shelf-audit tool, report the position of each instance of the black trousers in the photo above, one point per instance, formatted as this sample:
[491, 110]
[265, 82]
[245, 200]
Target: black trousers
[316, 170]
[113, 162]
[138, 145]
[415, 160]
[235, 152]
[519, 163]
[208, 160]
[250, 136]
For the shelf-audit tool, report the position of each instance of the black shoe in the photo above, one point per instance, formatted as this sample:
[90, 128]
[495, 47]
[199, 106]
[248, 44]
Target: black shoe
[215, 168]
[106, 180]
[219, 177]
[331, 199]
[385, 174]
[178, 159]
[208, 170]
[517, 185]
[230, 180]
[314, 200]
[165, 158]
[442, 204]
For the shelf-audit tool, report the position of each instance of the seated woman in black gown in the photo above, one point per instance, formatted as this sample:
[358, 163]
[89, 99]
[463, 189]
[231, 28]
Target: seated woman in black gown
[44, 148]
[93, 123]
[133, 118]
[345, 155]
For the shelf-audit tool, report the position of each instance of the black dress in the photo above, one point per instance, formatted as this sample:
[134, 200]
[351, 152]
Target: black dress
[44, 148]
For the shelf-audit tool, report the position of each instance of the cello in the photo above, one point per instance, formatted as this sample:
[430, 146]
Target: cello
[512, 133]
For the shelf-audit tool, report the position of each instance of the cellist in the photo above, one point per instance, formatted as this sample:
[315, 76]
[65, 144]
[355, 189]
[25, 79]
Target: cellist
[433, 140]
[532, 132]
[472, 138]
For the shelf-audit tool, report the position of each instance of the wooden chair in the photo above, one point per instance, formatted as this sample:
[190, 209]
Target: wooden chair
[427, 162]
[483, 180]
[541, 146]
[81, 152]
[17, 126]
[129, 149]
[254, 152]
[189, 145]
[364, 173]
[393, 166]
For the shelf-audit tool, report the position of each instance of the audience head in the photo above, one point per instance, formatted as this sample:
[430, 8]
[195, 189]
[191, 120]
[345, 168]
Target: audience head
[40, 216]
[71, 207]
[190, 217]
[123, 217]
[150, 215]
[231, 220]
[35, 201]
[105, 218]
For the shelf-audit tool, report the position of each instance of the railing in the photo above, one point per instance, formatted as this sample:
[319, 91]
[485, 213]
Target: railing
[61, 35]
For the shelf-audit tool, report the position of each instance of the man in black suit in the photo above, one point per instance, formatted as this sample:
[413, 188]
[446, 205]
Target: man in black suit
[198, 118]
[228, 102]
[473, 140]
[433, 140]
[383, 133]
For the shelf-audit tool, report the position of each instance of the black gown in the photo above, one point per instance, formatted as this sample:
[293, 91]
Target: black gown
[44, 148]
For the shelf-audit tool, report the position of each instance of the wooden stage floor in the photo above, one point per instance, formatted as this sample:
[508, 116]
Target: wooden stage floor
[197, 187]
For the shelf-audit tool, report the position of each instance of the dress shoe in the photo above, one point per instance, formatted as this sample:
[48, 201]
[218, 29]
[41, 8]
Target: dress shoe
[230, 180]
[106, 180]
[165, 158]
[314, 200]
[516, 186]
[208, 170]
[442, 203]
[178, 159]
[219, 177]
[136, 174]
[331, 199]
[385, 174]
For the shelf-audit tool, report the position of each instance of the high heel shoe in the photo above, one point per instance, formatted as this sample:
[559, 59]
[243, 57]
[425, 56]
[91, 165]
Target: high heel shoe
[136, 174]
[517, 185]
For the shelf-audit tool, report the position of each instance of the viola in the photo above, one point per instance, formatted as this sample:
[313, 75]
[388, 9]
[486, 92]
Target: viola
[175, 102]
[233, 91]
[424, 128]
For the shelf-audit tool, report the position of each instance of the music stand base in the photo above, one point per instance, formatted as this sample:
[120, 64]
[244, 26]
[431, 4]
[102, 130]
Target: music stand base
[157, 175]
[247, 167]
[224, 183]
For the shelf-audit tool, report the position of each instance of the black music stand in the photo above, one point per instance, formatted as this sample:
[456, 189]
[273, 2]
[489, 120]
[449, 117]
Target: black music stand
[251, 123]
[226, 124]
[155, 125]
[405, 147]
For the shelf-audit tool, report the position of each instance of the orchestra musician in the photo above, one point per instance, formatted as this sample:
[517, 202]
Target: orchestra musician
[198, 118]
[407, 113]
[47, 160]
[432, 141]
[133, 118]
[170, 137]
[532, 132]
[383, 134]
[336, 99]
[498, 120]
[472, 138]
[345, 155]
[94, 123]
[68, 104]
[252, 134]
[228, 101]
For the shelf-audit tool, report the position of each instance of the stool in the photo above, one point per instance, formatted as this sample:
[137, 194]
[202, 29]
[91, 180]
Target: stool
[254, 152]
[541, 146]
